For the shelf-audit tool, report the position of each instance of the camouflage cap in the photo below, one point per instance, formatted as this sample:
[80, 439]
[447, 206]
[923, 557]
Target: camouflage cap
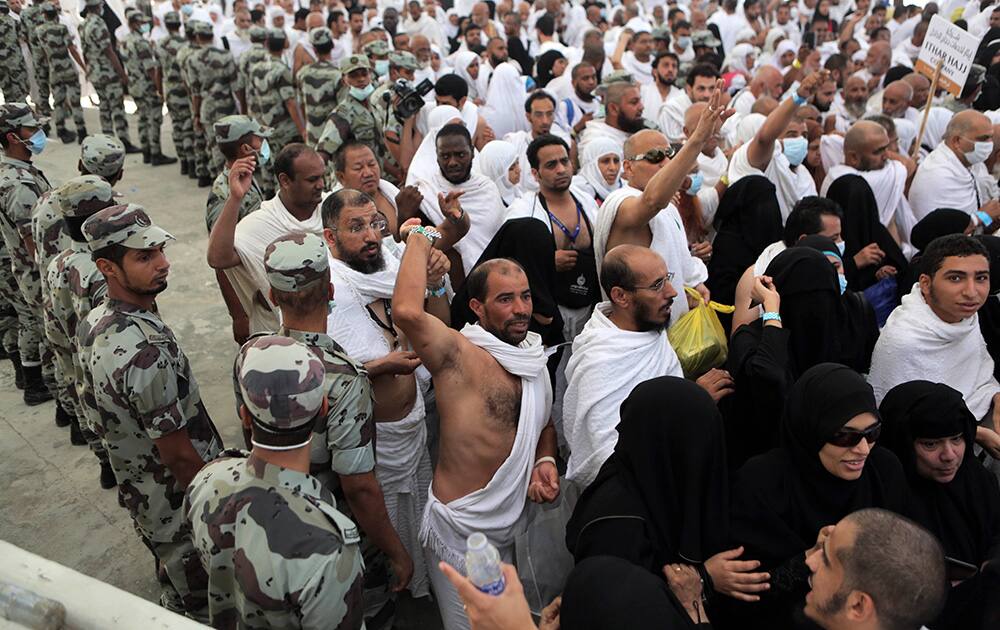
[354, 62]
[232, 128]
[296, 261]
[320, 36]
[102, 155]
[200, 27]
[49, 7]
[276, 34]
[85, 195]
[282, 381]
[661, 32]
[172, 18]
[618, 76]
[17, 115]
[704, 39]
[258, 34]
[93, 3]
[377, 47]
[4, 5]
[125, 225]
[403, 59]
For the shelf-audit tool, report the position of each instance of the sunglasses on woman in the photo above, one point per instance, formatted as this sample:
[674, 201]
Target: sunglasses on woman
[851, 437]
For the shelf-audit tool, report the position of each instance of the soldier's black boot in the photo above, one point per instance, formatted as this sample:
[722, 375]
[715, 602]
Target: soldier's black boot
[81, 135]
[131, 148]
[15, 359]
[63, 417]
[184, 167]
[193, 169]
[158, 159]
[108, 480]
[35, 391]
[75, 434]
[146, 158]
[204, 181]
[66, 136]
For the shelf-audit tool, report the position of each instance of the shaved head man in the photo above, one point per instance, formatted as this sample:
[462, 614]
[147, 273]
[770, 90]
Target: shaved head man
[764, 106]
[865, 146]
[921, 87]
[878, 58]
[896, 99]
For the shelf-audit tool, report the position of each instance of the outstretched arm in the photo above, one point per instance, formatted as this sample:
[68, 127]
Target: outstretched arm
[762, 146]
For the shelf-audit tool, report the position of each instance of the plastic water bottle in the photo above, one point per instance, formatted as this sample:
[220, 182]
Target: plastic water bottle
[28, 610]
[482, 565]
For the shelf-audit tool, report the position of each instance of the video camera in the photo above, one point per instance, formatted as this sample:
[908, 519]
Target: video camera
[411, 99]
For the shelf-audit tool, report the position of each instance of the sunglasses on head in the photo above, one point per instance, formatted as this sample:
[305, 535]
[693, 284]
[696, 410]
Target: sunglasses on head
[851, 437]
[653, 156]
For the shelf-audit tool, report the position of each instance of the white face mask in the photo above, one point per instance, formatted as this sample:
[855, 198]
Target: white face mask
[979, 154]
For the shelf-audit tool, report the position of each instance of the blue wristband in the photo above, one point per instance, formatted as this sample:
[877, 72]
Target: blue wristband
[769, 316]
[984, 218]
[438, 292]
[798, 100]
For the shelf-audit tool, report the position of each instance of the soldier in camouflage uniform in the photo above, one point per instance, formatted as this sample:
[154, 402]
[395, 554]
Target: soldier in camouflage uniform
[257, 52]
[401, 66]
[214, 82]
[237, 136]
[146, 403]
[175, 93]
[274, 91]
[105, 73]
[60, 54]
[21, 184]
[75, 288]
[14, 78]
[198, 158]
[356, 110]
[277, 551]
[32, 18]
[145, 87]
[318, 84]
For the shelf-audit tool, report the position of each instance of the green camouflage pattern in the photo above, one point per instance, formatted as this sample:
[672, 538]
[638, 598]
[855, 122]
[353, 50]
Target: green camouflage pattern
[377, 48]
[232, 128]
[17, 115]
[354, 62]
[33, 18]
[213, 77]
[364, 123]
[320, 36]
[220, 192]
[281, 383]
[175, 94]
[295, 262]
[102, 155]
[403, 59]
[140, 63]
[277, 552]
[252, 56]
[64, 80]
[318, 86]
[143, 389]
[94, 40]
[126, 225]
[271, 85]
[336, 132]
[14, 78]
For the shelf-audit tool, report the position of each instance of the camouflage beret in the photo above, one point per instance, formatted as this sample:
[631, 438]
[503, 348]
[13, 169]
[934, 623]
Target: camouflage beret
[85, 195]
[283, 383]
[354, 62]
[403, 59]
[200, 27]
[378, 48]
[320, 36]
[49, 7]
[93, 3]
[276, 34]
[258, 34]
[138, 16]
[705, 39]
[232, 128]
[102, 155]
[661, 32]
[125, 225]
[172, 18]
[17, 115]
[295, 262]
[618, 76]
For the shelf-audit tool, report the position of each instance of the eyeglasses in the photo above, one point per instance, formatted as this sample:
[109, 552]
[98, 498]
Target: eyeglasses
[379, 225]
[657, 286]
[653, 156]
[850, 437]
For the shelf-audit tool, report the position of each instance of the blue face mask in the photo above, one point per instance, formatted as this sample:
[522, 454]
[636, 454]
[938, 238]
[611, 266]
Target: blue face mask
[187, 9]
[843, 282]
[696, 181]
[362, 94]
[795, 149]
[265, 152]
[144, 28]
[36, 143]
[382, 67]
[840, 247]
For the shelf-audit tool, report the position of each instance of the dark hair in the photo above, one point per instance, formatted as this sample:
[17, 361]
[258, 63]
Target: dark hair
[539, 143]
[454, 129]
[337, 201]
[899, 564]
[672, 12]
[836, 61]
[476, 283]
[702, 70]
[332, 17]
[680, 24]
[546, 25]
[471, 26]
[615, 272]
[301, 14]
[284, 161]
[537, 95]
[806, 217]
[74, 227]
[580, 67]
[275, 44]
[115, 253]
[305, 302]
[355, 10]
[340, 157]
[664, 54]
[324, 48]
[229, 149]
[932, 258]
[452, 85]
[255, 15]
[877, 31]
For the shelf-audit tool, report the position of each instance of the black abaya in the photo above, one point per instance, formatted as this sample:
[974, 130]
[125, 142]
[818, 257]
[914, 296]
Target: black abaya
[989, 314]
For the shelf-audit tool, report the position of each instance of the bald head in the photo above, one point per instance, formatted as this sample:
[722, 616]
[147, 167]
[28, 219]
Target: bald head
[314, 20]
[479, 280]
[921, 87]
[636, 281]
[621, 266]
[764, 105]
[878, 58]
[767, 82]
[969, 122]
[639, 143]
[896, 98]
[617, 91]
[865, 146]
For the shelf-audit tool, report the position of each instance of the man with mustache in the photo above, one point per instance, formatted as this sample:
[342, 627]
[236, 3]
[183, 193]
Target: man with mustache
[623, 115]
[849, 107]
[357, 168]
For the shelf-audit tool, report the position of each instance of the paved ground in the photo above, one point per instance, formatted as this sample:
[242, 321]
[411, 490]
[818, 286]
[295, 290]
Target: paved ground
[51, 502]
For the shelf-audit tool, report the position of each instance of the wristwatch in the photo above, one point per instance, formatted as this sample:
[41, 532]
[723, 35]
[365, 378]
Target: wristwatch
[430, 233]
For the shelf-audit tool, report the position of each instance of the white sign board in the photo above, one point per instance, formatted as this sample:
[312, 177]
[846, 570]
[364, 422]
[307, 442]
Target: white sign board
[957, 48]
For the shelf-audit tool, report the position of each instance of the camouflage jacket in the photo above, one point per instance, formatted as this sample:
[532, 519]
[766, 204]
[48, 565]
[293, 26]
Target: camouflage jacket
[342, 442]
[271, 83]
[167, 50]
[277, 552]
[55, 40]
[254, 55]
[220, 192]
[138, 58]
[143, 389]
[317, 88]
[48, 232]
[21, 184]
[11, 35]
[32, 18]
[94, 39]
[364, 124]
[184, 54]
[212, 76]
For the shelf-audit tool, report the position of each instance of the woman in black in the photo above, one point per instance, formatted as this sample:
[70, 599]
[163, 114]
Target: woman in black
[662, 497]
[826, 467]
[989, 314]
[932, 432]
[765, 360]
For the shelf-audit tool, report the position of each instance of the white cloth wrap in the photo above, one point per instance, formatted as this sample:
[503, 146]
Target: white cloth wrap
[496, 510]
[607, 363]
[399, 446]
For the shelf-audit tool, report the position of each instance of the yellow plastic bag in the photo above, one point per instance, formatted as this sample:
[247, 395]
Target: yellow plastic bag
[698, 338]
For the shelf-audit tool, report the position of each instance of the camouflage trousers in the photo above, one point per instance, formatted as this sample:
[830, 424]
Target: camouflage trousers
[150, 110]
[182, 130]
[41, 64]
[14, 83]
[187, 591]
[201, 161]
[112, 107]
[66, 97]
[8, 316]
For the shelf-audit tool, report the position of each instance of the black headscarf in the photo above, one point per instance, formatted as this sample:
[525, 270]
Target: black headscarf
[989, 314]
[940, 222]
[669, 465]
[607, 592]
[861, 227]
[747, 221]
[544, 67]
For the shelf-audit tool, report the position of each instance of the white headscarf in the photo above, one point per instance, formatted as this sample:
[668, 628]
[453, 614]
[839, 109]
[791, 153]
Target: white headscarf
[424, 163]
[461, 61]
[784, 46]
[504, 109]
[590, 170]
[748, 127]
[737, 59]
[772, 37]
[494, 161]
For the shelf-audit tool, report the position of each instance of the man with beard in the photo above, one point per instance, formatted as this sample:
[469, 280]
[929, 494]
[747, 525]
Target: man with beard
[826, 94]
[895, 103]
[623, 115]
[480, 197]
[145, 397]
[580, 107]
[519, 45]
[698, 88]
[849, 108]
[766, 83]
[540, 110]
[498, 444]
[877, 61]
[357, 168]
[662, 88]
